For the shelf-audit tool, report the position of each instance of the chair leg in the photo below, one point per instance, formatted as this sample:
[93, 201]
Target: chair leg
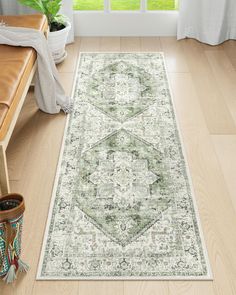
[4, 180]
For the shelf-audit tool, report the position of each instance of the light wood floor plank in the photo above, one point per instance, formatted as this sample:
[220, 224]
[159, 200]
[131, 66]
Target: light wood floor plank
[90, 44]
[175, 59]
[225, 146]
[225, 76]
[58, 288]
[130, 44]
[101, 288]
[216, 112]
[230, 48]
[151, 44]
[191, 288]
[146, 288]
[110, 44]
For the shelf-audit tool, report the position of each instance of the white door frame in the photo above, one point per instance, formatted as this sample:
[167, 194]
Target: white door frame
[125, 23]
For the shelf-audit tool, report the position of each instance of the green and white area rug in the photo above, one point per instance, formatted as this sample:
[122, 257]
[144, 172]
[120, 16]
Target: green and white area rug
[122, 206]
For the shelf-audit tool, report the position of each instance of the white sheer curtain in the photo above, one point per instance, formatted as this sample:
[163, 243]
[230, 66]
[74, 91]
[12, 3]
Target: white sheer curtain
[209, 21]
[12, 7]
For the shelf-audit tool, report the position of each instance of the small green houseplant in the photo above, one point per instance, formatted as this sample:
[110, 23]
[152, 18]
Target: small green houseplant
[50, 8]
[59, 25]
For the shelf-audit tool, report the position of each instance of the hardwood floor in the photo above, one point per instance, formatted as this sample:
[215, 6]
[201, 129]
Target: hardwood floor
[203, 82]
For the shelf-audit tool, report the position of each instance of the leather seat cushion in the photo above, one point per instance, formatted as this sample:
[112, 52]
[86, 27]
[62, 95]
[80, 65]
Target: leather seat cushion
[15, 64]
[33, 21]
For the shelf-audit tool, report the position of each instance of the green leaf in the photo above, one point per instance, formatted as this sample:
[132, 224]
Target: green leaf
[60, 19]
[50, 8]
[53, 8]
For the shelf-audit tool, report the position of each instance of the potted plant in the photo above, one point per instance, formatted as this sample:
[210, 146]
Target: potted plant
[59, 26]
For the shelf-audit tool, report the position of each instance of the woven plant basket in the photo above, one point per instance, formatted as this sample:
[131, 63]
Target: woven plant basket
[12, 208]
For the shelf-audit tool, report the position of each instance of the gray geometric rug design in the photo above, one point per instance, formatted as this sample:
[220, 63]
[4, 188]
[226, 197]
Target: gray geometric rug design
[122, 206]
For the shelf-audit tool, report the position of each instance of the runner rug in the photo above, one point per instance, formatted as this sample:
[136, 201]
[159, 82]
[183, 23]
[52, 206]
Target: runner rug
[122, 206]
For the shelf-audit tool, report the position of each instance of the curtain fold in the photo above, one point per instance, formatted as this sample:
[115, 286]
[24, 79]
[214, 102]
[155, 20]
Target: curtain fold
[209, 21]
[12, 7]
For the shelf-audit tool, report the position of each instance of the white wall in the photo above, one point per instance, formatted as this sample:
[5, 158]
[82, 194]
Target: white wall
[67, 9]
[125, 23]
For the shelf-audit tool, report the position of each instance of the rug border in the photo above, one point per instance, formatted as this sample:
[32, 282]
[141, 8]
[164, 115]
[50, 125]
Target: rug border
[208, 277]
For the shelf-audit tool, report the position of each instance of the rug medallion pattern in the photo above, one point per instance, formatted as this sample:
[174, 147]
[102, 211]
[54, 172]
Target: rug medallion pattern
[123, 206]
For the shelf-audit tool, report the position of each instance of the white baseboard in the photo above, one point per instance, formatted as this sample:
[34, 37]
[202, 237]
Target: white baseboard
[125, 23]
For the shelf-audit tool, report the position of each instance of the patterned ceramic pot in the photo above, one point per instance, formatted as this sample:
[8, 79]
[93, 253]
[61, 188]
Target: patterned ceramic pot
[11, 218]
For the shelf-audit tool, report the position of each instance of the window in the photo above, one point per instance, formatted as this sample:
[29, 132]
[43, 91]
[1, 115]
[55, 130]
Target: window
[125, 17]
[88, 4]
[125, 5]
[162, 4]
[119, 5]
